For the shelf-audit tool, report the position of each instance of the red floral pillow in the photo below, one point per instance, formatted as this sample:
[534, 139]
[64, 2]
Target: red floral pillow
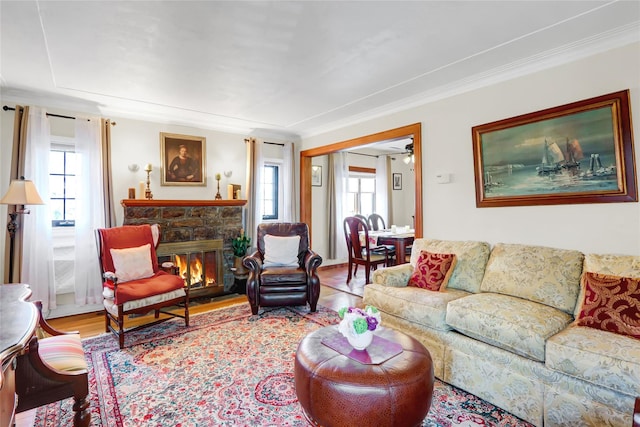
[432, 271]
[611, 304]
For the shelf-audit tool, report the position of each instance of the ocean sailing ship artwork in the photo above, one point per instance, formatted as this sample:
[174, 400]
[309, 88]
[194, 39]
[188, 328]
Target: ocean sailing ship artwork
[572, 154]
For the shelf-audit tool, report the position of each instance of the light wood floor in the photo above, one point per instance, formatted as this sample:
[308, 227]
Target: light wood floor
[334, 294]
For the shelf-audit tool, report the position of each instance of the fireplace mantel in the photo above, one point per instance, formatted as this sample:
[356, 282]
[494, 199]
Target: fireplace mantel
[167, 203]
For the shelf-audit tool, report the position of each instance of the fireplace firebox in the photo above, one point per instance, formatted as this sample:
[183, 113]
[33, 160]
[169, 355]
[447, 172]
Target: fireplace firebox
[200, 264]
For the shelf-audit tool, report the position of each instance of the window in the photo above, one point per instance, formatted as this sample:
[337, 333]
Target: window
[62, 186]
[270, 200]
[361, 190]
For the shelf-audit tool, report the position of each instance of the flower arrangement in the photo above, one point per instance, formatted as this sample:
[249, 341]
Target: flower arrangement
[358, 321]
[240, 244]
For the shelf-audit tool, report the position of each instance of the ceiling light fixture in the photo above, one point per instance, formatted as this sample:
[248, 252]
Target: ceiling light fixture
[410, 157]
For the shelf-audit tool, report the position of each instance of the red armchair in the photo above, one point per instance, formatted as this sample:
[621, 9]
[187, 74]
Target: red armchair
[133, 281]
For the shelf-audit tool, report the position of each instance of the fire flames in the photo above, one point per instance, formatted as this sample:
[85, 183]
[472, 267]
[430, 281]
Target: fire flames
[194, 274]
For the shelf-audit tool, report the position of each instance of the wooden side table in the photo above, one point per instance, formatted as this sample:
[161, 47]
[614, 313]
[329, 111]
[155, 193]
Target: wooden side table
[19, 321]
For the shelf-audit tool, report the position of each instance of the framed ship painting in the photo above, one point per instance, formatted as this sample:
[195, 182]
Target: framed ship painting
[576, 153]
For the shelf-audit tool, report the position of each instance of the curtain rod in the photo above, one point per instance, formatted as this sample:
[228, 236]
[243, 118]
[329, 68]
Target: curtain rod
[362, 154]
[267, 142]
[6, 108]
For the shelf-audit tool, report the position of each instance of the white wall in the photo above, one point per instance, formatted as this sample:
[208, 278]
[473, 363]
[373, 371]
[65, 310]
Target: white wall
[449, 209]
[138, 142]
[402, 201]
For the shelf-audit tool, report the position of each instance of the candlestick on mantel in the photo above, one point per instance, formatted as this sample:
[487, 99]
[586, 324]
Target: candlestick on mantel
[147, 193]
[148, 168]
[218, 196]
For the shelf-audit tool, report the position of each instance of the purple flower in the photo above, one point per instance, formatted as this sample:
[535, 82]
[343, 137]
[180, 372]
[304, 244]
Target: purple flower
[372, 323]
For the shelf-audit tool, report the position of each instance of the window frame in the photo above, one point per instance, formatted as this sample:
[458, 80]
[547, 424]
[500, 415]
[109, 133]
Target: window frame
[277, 190]
[66, 144]
[359, 173]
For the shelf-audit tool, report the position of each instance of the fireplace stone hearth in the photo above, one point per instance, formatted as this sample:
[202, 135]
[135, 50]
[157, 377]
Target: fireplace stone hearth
[192, 221]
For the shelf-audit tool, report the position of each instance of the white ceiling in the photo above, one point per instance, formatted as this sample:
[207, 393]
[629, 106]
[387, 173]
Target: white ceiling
[289, 68]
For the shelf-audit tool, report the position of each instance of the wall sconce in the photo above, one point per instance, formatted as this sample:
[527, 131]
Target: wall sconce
[133, 167]
[20, 192]
[228, 174]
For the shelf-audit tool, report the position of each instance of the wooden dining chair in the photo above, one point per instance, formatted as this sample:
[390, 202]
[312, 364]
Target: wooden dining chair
[376, 222]
[356, 234]
[362, 217]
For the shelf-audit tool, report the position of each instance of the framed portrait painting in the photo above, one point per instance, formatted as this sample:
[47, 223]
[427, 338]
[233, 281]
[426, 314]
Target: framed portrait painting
[183, 160]
[576, 153]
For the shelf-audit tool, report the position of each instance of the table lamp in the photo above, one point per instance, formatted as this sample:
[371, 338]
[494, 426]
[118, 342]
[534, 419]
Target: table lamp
[21, 192]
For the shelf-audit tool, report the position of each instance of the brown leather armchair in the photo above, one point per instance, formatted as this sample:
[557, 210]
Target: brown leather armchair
[279, 285]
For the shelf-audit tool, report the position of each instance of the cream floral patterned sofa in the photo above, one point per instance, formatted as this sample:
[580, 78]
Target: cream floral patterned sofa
[503, 330]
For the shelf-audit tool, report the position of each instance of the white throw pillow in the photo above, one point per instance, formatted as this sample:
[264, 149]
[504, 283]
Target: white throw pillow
[132, 263]
[281, 251]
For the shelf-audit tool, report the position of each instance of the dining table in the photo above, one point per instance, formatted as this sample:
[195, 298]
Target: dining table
[400, 239]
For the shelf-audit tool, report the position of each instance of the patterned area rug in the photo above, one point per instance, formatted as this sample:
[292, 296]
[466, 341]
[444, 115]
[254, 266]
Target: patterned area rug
[227, 369]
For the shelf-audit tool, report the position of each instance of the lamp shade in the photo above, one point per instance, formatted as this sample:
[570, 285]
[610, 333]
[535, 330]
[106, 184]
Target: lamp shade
[22, 192]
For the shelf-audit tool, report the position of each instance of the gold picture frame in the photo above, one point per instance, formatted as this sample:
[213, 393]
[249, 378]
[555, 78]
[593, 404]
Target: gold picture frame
[575, 153]
[183, 159]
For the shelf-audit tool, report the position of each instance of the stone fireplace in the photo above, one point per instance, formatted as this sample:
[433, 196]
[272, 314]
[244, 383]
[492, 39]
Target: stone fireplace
[201, 230]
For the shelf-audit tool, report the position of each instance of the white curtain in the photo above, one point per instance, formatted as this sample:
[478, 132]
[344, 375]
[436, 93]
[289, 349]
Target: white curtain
[255, 166]
[89, 211]
[337, 205]
[382, 189]
[37, 250]
[289, 208]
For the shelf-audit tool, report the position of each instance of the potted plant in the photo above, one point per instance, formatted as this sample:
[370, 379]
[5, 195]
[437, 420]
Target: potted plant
[240, 245]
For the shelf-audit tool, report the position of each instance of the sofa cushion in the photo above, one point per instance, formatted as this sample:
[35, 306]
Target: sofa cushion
[158, 284]
[432, 271]
[471, 259]
[598, 357]
[545, 275]
[610, 303]
[513, 324]
[63, 352]
[611, 264]
[420, 306]
[396, 276]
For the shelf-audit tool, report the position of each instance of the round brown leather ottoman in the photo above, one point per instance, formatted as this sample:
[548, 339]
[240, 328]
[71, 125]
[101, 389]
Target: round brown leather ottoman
[335, 390]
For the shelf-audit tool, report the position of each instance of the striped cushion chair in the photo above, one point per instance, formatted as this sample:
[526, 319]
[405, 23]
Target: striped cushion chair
[52, 369]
